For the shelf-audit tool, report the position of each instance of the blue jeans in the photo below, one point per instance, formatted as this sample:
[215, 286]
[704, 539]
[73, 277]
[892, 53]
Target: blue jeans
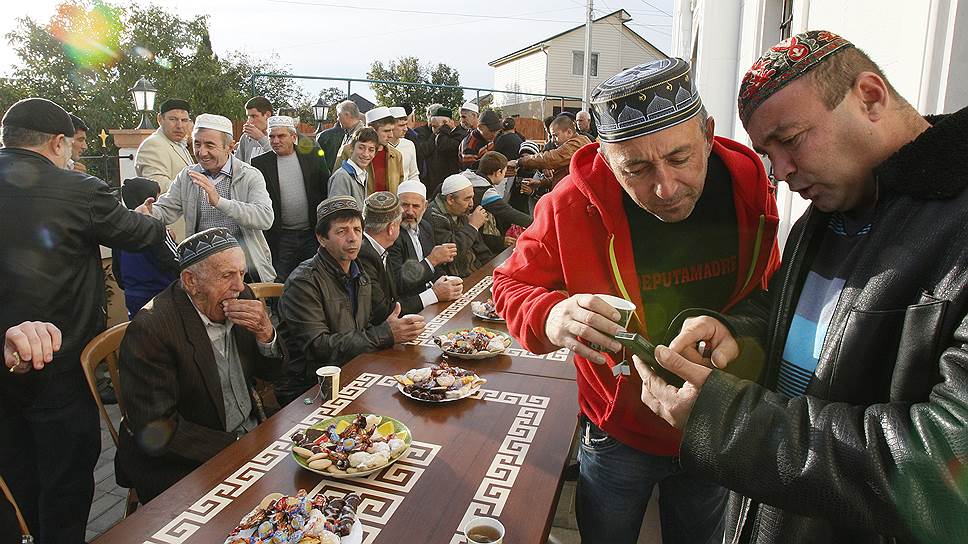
[615, 483]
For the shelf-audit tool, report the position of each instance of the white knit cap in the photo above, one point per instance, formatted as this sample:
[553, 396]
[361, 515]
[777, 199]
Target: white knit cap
[412, 186]
[281, 121]
[470, 106]
[214, 122]
[454, 183]
[398, 113]
[377, 113]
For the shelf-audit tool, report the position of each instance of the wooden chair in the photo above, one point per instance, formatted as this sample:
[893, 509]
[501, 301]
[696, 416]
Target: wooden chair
[104, 349]
[266, 290]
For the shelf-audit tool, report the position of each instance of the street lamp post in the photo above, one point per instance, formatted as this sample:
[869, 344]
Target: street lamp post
[143, 93]
[320, 113]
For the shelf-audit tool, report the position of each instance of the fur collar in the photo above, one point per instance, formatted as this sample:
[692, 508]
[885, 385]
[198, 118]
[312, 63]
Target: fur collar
[934, 166]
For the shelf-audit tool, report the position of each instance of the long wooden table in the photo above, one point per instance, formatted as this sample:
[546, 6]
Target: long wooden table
[500, 453]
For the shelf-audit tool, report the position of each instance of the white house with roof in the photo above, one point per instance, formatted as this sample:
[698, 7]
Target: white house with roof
[555, 66]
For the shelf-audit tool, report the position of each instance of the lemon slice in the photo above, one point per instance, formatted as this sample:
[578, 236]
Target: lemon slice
[401, 434]
[385, 429]
[342, 425]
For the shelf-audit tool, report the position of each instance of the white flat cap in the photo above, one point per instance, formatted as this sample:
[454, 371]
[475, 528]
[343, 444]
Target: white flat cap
[454, 183]
[380, 112]
[412, 186]
[398, 113]
[281, 121]
[470, 106]
[214, 122]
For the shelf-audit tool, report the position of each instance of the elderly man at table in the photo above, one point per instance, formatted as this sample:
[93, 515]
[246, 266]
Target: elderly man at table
[296, 180]
[221, 191]
[457, 221]
[414, 258]
[187, 364]
[668, 217]
[327, 308]
[382, 221]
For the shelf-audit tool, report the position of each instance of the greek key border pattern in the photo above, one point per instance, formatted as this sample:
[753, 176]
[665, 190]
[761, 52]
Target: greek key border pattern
[426, 338]
[382, 491]
[495, 487]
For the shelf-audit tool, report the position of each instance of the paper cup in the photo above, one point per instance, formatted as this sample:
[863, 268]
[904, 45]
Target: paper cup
[624, 307]
[625, 310]
[328, 378]
[483, 530]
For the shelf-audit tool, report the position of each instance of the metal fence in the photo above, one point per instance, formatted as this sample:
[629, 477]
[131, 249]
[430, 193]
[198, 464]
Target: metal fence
[350, 81]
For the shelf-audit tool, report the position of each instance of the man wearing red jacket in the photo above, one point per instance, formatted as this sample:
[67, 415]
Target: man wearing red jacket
[668, 217]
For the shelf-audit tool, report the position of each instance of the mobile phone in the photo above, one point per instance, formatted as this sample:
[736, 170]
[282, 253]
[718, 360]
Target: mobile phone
[637, 344]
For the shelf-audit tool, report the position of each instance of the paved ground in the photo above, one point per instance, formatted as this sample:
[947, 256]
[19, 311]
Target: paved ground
[108, 507]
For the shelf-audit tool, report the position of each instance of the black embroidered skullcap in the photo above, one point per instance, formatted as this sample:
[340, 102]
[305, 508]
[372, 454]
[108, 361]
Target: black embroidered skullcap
[202, 245]
[784, 63]
[174, 104]
[335, 204]
[381, 207]
[644, 99]
[39, 115]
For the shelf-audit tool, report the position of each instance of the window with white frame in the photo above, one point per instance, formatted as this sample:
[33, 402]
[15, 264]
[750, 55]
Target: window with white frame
[578, 63]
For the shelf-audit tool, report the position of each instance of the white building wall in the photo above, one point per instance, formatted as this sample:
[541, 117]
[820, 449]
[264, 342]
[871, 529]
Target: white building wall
[617, 49]
[524, 74]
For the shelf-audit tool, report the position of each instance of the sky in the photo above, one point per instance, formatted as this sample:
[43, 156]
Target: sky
[341, 38]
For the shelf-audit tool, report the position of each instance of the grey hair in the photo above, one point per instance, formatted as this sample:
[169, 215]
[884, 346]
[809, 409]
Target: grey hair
[11, 136]
[432, 108]
[373, 228]
[199, 270]
[350, 107]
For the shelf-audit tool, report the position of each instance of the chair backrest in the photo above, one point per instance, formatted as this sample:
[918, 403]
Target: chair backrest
[266, 290]
[103, 348]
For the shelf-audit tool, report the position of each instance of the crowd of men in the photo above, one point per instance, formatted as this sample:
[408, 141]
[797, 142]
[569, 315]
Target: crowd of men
[822, 399]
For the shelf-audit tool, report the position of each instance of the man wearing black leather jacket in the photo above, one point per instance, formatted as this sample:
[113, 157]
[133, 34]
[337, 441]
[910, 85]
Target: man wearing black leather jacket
[857, 429]
[53, 221]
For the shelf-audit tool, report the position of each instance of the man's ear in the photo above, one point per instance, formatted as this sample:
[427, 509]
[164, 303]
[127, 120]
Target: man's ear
[710, 134]
[188, 280]
[873, 93]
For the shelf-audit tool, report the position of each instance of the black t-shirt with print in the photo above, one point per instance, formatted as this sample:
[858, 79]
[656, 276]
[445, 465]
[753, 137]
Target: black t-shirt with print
[691, 263]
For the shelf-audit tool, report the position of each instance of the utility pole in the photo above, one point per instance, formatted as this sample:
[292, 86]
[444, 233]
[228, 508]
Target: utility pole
[586, 87]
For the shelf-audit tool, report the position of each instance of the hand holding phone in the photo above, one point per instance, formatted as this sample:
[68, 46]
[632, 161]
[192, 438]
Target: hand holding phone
[637, 344]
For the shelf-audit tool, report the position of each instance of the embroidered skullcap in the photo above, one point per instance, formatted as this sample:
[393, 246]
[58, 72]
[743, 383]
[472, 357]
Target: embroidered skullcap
[491, 120]
[378, 113]
[454, 183]
[202, 245]
[529, 147]
[381, 207]
[335, 204]
[281, 121]
[39, 115]
[783, 63]
[213, 122]
[174, 104]
[645, 99]
[444, 112]
[470, 106]
[412, 186]
[398, 112]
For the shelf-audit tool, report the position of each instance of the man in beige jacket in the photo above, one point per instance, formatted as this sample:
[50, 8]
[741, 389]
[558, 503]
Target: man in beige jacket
[163, 155]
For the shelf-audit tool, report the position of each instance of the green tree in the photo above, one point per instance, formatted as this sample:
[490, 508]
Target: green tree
[409, 69]
[91, 51]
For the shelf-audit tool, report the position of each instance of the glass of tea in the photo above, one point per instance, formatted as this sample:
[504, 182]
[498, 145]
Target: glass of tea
[483, 530]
